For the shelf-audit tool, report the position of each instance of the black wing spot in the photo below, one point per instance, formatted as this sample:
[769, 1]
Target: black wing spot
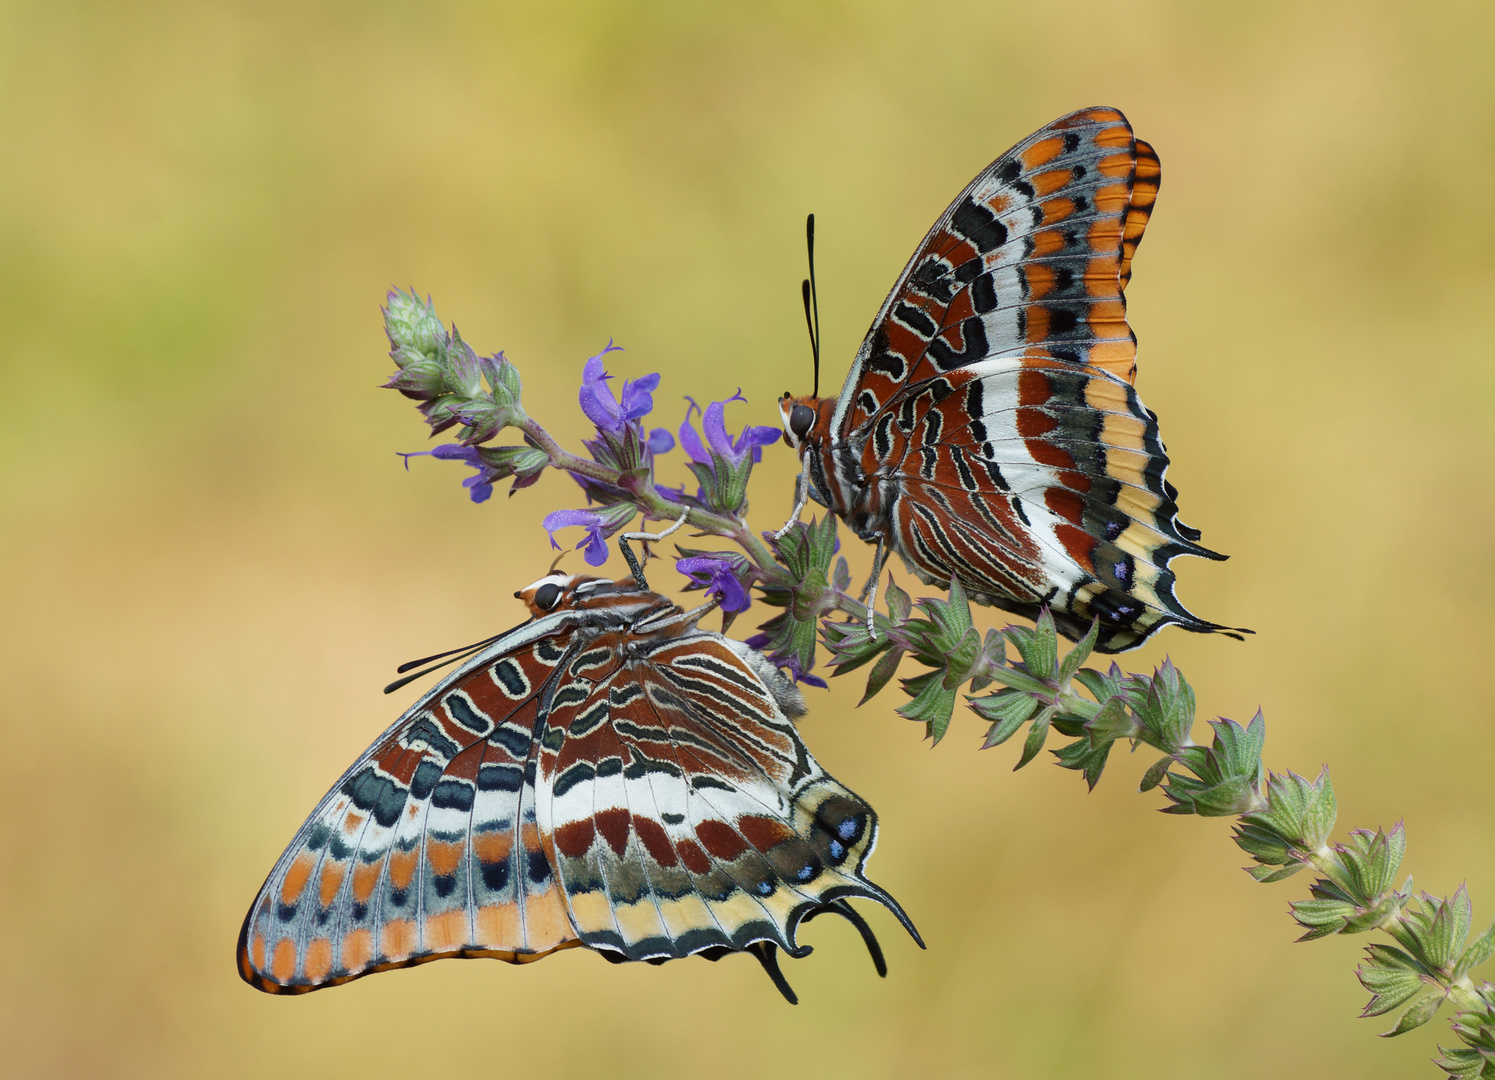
[984, 294]
[978, 225]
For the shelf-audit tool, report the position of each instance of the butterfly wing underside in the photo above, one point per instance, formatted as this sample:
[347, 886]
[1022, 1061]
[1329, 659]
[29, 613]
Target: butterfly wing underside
[991, 409]
[1031, 259]
[427, 847]
[686, 813]
[643, 795]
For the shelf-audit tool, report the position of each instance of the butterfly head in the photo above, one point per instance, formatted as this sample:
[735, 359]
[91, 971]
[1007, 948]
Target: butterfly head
[803, 417]
[557, 592]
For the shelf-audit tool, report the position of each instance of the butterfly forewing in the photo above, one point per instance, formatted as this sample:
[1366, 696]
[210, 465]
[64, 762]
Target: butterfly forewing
[427, 847]
[608, 776]
[1031, 259]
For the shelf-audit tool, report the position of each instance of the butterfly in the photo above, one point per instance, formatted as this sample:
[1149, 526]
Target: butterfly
[606, 774]
[988, 430]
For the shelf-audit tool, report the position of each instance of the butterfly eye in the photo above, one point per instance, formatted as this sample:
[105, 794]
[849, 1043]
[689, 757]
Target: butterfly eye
[547, 595]
[801, 418]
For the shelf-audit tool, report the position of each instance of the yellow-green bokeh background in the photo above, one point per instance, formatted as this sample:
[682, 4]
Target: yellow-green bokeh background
[212, 559]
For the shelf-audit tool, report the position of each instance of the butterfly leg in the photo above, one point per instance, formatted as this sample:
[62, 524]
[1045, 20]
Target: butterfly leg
[869, 591]
[801, 496]
[644, 538]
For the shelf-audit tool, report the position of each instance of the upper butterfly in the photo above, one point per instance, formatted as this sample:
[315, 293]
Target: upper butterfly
[605, 774]
[988, 429]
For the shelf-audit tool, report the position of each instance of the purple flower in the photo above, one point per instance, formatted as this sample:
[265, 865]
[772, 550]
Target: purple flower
[599, 524]
[621, 443]
[718, 574]
[479, 486]
[722, 464]
[611, 415]
[718, 442]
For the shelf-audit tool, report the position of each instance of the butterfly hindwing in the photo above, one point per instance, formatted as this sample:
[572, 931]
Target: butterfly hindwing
[687, 815]
[1043, 483]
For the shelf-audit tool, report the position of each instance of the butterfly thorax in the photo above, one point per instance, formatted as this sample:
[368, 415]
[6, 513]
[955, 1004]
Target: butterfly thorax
[854, 475]
[831, 467]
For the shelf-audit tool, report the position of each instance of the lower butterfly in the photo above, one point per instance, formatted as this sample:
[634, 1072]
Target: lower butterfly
[605, 774]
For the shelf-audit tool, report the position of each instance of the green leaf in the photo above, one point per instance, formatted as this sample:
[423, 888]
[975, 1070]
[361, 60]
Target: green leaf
[1079, 654]
[1097, 684]
[962, 658]
[1112, 722]
[1381, 955]
[1263, 843]
[1298, 809]
[1235, 751]
[1167, 713]
[931, 703]
[505, 380]
[1371, 862]
[1320, 812]
[1465, 1064]
[1039, 647]
[1085, 758]
[1482, 948]
[1320, 917]
[1000, 732]
[1266, 874]
[412, 323]
[1450, 927]
[1004, 705]
[1372, 917]
[1037, 734]
[1225, 799]
[850, 644]
[1390, 988]
[1417, 1014]
[882, 673]
[1021, 680]
[1009, 710]
[900, 607]
[1154, 775]
[841, 579]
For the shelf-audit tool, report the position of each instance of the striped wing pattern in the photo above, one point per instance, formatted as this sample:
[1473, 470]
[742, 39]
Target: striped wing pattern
[642, 792]
[1036, 482]
[1031, 259]
[989, 430]
[675, 833]
[428, 846]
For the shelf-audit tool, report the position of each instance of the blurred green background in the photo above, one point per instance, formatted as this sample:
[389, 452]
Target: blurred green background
[213, 560]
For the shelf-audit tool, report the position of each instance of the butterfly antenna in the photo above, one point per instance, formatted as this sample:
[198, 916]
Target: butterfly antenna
[452, 656]
[392, 687]
[812, 301]
[476, 645]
